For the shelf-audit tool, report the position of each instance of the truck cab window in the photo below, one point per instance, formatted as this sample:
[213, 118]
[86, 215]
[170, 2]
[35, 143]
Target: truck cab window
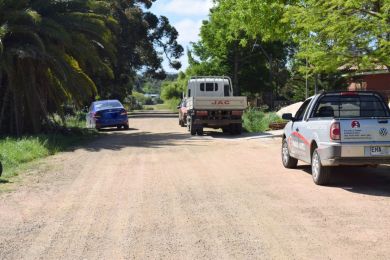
[189, 93]
[226, 90]
[209, 87]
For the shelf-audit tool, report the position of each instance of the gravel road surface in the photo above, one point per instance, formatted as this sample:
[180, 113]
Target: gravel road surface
[154, 192]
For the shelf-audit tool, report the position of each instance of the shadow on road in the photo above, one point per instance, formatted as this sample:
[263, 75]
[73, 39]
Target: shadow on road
[362, 180]
[3, 181]
[153, 114]
[220, 135]
[118, 141]
[114, 129]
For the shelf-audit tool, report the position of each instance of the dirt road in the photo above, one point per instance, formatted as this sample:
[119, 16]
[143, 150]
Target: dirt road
[155, 192]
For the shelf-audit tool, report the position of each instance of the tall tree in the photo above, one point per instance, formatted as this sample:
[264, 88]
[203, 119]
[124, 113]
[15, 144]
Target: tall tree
[255, 66]
[329, 33]
[57, 52]
[141, 37]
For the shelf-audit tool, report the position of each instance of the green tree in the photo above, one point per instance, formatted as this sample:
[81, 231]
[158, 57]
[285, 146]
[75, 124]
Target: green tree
[330, 34]
[44, 52]
[57, 52]
[254, 66]
[142, 37]
[333, 34]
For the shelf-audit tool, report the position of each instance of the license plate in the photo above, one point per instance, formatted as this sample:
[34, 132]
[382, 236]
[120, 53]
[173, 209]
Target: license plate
[378, 150]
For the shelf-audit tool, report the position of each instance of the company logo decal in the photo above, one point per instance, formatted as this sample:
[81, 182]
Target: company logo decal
[383, 132]
[221, 102]
[355, 124]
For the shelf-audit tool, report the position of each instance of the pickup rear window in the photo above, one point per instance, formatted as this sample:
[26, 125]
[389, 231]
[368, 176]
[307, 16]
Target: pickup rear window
[347, 106]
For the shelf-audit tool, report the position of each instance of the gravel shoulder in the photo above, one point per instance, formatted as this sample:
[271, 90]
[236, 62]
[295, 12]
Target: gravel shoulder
[155, 192]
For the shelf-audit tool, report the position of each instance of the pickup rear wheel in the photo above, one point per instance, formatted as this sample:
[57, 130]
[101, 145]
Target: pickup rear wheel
[288, 161]
[321, 175]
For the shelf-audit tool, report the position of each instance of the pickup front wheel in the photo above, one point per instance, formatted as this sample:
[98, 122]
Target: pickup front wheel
[288, 161]
[321, 175]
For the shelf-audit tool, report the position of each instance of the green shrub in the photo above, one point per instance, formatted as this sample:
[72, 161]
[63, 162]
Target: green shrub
[256, 121]
[172, 104]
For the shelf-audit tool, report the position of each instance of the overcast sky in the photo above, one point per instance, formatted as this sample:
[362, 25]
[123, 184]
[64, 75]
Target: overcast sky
[186, 16]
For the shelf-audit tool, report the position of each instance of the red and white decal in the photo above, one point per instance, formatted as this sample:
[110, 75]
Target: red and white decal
[355, 124]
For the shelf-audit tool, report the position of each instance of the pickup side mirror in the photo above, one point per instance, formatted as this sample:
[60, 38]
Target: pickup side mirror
[288, 117]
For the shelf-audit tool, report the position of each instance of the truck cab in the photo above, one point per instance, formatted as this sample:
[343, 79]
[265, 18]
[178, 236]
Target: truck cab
[210, 87]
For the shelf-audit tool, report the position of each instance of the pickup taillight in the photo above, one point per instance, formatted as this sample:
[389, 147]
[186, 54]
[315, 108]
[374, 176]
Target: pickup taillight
[202, 113]
[335, 132]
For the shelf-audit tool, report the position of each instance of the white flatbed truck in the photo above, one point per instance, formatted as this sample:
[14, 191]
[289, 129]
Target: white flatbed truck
[210, 103]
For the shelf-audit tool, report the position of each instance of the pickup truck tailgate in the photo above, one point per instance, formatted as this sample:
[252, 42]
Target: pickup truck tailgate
[365, 130]
[218, 103]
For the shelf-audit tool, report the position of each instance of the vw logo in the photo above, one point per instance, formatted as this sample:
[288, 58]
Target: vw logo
[383, 132]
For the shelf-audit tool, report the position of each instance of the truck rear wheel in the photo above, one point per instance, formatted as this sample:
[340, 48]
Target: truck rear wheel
[191, 128]
[321, 175]
[236, 129]
[199, 131]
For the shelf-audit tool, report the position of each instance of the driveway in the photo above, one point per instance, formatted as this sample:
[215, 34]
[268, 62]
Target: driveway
[156, 192]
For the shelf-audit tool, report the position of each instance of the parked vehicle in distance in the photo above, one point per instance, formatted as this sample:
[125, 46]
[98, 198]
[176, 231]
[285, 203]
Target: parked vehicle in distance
[107, 113]
[338, 128]
[210, 103]
[182, 113]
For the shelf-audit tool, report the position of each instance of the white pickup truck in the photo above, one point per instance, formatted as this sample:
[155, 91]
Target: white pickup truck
[210, 103]
[338, 128]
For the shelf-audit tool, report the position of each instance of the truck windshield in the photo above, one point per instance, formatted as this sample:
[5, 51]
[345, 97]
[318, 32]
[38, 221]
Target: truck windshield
[350, 106]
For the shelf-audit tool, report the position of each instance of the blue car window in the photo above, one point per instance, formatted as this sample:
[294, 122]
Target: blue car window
[108, 104]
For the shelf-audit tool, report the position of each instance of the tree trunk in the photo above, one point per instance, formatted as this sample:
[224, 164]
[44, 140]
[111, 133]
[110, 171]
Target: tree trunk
[3, 107]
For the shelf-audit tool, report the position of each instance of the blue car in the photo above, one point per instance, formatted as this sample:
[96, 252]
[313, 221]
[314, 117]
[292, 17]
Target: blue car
[107, 113]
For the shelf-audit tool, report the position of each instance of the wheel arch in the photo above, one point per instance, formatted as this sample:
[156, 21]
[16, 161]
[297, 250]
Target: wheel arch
[313, 146]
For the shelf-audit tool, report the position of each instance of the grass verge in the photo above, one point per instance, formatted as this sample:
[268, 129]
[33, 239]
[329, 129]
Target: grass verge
[15, 153]
[256, 121]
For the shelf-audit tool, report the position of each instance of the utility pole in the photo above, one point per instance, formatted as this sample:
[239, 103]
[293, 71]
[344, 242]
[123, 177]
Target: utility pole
[307, 83]
[269, 58]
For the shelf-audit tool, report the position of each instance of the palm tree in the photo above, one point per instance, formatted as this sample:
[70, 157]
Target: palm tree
[46, 48]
